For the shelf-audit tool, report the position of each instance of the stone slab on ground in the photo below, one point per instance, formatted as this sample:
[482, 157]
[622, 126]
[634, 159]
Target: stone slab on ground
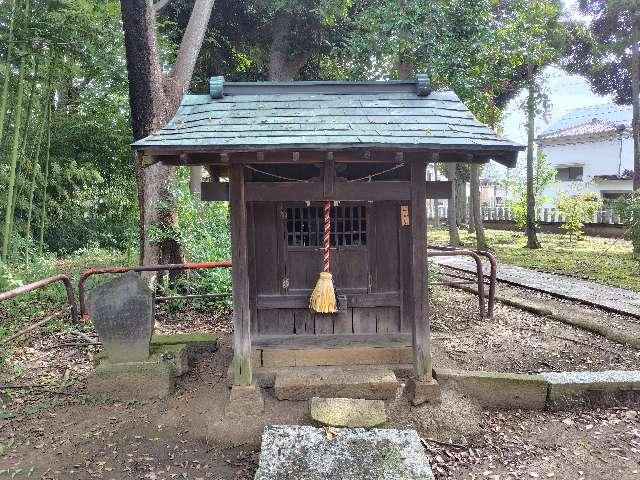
[303, 383]
[497, 390]
[601, 389]
[300, 452]
[133, 380]
[347, 412]
[615, 299]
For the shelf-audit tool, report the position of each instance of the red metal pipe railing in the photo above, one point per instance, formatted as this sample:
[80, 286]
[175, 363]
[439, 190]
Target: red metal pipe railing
[480, 275]
[492, 274]
[143, 268]
[43, 283]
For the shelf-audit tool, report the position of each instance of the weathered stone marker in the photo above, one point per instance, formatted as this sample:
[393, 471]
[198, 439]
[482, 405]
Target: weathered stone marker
[300, 452]
[122, 312]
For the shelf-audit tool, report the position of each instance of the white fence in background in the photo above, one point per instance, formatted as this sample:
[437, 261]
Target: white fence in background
[546, 215]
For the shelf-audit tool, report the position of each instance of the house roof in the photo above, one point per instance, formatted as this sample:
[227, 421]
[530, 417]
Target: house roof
[268, 116]
[588, 121]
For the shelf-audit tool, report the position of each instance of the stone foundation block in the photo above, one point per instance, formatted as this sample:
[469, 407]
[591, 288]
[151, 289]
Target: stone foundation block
[593, 389]
[497, 390]
[197, 344]
[420, 392]
[347, 412]
[244, 400]
[133, 380]
[372, 383]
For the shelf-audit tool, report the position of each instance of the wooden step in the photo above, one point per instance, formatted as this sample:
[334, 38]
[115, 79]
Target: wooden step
[331, 350]
[303, 383]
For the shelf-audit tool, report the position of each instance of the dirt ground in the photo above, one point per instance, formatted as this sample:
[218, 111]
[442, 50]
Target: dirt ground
[518, 341]
[52, 432]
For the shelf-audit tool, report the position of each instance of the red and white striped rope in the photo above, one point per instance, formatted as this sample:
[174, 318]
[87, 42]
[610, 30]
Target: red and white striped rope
[326, 236]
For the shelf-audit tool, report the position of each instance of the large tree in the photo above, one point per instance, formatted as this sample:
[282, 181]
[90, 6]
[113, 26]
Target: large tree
[479, 49]
[606, 51]
[154, 96]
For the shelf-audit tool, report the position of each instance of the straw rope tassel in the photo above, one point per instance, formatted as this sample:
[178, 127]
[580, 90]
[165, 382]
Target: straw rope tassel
[323, 297]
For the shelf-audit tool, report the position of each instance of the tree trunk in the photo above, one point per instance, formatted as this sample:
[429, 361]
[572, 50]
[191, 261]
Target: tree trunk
[481, 241]
[282, 65]
[454, 236]
[154, 98]
[530, 228]
[635, 89]
[6, 234]
[195, 180]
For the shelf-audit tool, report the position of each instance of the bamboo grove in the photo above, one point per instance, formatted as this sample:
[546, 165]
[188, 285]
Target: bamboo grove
[65, 174]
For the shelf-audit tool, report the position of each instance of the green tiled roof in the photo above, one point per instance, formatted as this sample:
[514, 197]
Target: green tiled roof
[263, 116]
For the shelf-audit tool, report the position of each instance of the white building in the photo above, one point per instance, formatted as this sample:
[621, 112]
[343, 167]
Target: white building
[591, 149]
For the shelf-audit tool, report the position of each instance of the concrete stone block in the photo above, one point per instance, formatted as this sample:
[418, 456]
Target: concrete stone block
[420, 392]
[497, 390]
[244, 400]
[303, 383]
[198, 344]
[593, 389]
[132, 380]
[347, 412]
[300, 452]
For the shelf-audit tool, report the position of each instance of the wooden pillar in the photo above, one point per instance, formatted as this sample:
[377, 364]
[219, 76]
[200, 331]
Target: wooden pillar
[242, 374]
[421, 332]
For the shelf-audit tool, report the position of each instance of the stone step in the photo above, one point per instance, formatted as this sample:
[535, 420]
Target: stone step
[303, 383]
[347, 412]
[301, 452]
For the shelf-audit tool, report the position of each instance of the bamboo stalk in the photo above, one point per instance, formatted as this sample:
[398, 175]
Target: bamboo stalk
[14, 152]
[7, 70]
[46, 109]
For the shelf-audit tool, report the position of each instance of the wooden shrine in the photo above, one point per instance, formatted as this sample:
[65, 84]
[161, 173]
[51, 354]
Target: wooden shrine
[287, 147]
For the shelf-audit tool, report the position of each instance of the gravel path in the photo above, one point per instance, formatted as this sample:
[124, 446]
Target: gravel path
[612, 298]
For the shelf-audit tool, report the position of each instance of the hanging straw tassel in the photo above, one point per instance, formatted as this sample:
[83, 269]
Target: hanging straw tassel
[323, 297]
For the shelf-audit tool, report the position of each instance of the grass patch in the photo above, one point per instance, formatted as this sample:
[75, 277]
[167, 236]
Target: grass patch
[603, 260]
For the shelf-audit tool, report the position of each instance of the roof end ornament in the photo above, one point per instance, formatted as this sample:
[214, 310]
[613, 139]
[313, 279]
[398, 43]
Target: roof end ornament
[216, 87]
[423, 85]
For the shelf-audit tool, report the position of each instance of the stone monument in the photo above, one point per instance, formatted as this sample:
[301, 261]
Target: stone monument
[122, 312]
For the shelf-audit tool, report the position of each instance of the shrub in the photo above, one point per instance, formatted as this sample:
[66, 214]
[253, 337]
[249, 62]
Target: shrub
[628, 207]
[577, 209]
[203, 231]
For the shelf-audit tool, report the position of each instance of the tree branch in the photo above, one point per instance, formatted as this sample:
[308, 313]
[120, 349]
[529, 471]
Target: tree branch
[191, 42]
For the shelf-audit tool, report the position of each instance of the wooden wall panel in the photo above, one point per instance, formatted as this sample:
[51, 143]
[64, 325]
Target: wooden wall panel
[343, 322]
[303, 321]
[364, 320]
[265, 247]
[323, 323]
[386, 263]
[303, 268]
[350, 268]
[276, 322]
[387, 320]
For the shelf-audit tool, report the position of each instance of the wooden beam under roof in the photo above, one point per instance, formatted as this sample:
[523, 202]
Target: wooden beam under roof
[314, 191]
[318, 156]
